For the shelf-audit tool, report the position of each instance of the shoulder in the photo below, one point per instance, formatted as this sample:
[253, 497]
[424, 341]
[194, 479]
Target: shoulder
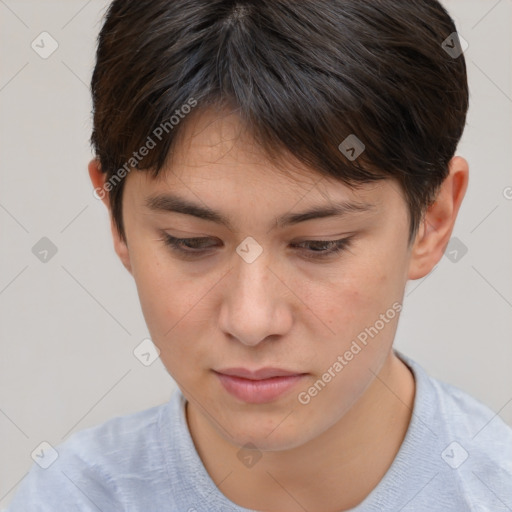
[471, 444]
[112, 441]
[478, 433]
[453, 410]
[460, 414]
[94, 467]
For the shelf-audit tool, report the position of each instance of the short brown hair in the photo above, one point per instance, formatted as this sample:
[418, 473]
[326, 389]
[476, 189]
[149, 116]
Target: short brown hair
[303, 75]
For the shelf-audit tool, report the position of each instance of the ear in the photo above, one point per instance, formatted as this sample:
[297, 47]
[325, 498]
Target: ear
[437, 225]
[98, 180]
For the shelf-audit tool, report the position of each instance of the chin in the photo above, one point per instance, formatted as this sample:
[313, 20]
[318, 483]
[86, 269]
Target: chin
[268, 434]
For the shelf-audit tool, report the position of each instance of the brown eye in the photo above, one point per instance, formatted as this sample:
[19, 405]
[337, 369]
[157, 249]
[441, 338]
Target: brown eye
[188, 245]
[324, 248]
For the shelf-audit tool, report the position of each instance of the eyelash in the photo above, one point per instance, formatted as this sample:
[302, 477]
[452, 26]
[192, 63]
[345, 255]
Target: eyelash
[337, 246]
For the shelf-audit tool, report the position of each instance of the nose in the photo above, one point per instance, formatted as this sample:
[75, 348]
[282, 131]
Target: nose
[255, 302]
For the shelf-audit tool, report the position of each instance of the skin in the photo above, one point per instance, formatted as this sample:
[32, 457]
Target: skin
[281, 310]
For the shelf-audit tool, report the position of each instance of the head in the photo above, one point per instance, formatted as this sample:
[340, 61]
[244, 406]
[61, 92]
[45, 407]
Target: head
[221, 121]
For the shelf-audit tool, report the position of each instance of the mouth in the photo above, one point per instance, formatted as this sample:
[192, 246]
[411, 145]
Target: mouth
[258, 386]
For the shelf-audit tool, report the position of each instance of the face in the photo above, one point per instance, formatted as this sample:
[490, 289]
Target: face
[258, 292]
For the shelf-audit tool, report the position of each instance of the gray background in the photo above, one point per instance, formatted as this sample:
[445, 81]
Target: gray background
[69, 325]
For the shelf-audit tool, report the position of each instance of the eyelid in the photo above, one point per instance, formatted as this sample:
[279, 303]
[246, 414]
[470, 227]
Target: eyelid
[312, 238]
[338, 246]
[188, 239]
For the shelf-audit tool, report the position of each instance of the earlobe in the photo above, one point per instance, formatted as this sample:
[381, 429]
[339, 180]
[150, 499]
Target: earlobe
[438, 221]
[98, 180]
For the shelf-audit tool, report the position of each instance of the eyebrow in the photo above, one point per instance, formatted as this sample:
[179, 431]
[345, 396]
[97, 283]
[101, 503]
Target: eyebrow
[176, 204]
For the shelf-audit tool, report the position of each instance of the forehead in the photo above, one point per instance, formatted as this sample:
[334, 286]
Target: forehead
[215, 158]
[219, 143]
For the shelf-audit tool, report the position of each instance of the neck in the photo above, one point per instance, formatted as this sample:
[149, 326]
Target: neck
[343, 465]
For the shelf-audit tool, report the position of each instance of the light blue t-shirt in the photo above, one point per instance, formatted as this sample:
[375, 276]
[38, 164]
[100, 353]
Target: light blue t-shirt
[456, 457]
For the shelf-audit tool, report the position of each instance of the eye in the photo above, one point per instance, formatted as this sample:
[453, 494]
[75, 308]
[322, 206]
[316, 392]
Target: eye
[188, 246]
[317, 249]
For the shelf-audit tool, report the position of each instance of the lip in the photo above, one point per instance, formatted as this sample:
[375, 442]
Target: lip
[258, 386]
[261, 373]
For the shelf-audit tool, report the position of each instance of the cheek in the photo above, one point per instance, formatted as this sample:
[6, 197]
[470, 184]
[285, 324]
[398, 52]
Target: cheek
[167, 303]
[359, 306]
[177, 306]
[362, 313]
[166, 295]
[353, 298]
